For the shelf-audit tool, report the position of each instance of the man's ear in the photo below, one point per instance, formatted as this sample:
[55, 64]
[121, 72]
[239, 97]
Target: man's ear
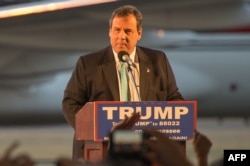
[139, 34]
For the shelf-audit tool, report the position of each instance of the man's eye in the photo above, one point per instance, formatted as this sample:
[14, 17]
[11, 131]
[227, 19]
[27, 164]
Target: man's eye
[116, 30]
[128, 31]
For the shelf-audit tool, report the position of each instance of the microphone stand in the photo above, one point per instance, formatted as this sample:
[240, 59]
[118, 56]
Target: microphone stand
[132, 77]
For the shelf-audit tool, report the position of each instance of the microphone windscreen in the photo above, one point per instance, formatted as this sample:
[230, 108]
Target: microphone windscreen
[121, 54]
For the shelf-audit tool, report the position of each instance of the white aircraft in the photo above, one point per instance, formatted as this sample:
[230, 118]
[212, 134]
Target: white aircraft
[207, 42]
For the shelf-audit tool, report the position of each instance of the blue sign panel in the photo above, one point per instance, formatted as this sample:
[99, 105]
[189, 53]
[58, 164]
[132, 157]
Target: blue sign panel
[177, 119]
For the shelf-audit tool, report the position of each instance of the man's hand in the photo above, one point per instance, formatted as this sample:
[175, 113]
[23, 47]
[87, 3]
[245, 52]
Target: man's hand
[165, 151]
[201, 146]
[127, 123]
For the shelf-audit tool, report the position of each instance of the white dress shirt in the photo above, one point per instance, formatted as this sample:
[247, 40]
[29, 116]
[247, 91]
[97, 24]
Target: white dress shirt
[136, 75]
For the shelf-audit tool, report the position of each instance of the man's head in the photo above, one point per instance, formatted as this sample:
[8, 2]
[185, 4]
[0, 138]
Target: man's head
[125, 28]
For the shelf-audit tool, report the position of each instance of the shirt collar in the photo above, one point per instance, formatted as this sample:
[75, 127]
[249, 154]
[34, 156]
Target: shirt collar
[132, 55]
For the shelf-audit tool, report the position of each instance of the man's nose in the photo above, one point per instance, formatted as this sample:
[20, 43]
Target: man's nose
[122, 35]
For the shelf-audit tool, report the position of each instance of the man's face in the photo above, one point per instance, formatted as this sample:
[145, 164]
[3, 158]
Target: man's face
[124, 34]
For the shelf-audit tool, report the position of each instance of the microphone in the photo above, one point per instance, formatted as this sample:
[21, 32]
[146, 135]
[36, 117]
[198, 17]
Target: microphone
[124, 57]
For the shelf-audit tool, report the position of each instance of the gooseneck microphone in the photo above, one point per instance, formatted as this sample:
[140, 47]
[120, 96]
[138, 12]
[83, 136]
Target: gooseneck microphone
[124, 57]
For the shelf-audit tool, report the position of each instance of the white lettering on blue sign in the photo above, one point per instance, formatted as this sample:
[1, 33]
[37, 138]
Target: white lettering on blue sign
[149, 112]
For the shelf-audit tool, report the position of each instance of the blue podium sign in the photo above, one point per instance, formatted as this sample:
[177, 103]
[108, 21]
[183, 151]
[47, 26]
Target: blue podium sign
[176, 119]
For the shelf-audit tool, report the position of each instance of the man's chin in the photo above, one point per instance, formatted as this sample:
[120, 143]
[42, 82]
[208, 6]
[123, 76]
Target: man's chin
[122, 48]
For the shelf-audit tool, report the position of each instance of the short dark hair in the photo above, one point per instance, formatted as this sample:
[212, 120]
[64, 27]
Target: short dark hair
[126, 10]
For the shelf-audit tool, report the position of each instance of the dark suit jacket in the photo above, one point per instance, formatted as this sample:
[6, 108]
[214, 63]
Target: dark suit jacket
[95, 79]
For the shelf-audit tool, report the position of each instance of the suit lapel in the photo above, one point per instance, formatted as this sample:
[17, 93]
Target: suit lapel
[110, 73]
[145, 72]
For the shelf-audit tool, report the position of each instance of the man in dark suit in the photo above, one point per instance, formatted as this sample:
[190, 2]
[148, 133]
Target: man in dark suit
[96, 78]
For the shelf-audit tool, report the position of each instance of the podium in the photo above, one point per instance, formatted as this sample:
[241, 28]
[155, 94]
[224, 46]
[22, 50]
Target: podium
[93, 122]
[85, 130]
